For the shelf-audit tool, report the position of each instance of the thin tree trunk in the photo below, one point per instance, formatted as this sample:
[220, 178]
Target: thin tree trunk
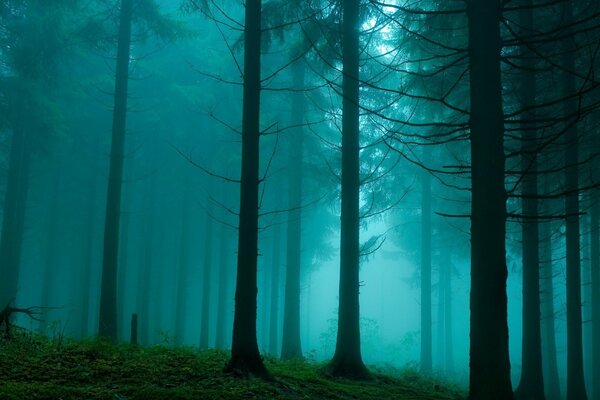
[595, 266]
[347, 359]
[575, 379]
[13, 216]
[449, 337]
[108, 294]
[222, 309]
[206, 283]
[52, 245]
[489, 357]
[426, 334]
[275, 283]
[183, 270]
[291, 344]
[245, 356]
[552, 383]
[531, 386]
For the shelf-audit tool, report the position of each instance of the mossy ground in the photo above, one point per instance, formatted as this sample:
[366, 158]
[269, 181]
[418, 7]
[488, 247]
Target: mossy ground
[33, 367]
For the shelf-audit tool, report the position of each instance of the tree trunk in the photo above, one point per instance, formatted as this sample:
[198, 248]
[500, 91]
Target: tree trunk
[551, 380]
[222, 309]
[575, 379]
[15, 202]
[108, 294]
[347, 359]
[489, 358]
[275, 283]
[245, 356]
[291, 343]
[426, 334]
[206, 283]
[595, 266]
[448, 337]
[183, 270]
[531, 386]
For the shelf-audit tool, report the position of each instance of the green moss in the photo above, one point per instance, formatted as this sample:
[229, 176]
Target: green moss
[33, 367]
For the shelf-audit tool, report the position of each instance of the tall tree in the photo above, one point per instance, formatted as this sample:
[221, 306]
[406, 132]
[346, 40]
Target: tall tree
[575, 376]
[245, 356]
[426, 334]
[206, 283]
[291, 345]
[108, 292]
[531, 386]
[595, 265]
[489, 359]
[347, 359]
[551, 377]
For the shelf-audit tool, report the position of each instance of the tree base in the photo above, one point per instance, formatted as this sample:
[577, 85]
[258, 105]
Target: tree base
[348, 369]
[529, 393]
[247, 367]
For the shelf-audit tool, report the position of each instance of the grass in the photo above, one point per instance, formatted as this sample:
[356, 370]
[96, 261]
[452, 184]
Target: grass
[33, 367]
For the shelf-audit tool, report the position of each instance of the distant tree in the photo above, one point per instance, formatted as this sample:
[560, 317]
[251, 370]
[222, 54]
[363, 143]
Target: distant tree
[108, 293]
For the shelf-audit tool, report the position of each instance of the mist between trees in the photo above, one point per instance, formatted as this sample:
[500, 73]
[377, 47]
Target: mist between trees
[358, 182]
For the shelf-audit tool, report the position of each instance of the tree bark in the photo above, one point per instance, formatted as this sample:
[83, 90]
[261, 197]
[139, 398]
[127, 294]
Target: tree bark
[489, 357]
[575, 379]
[206, 283]
[224, 275]
[551, 376]
[245, 356]
[15, 202]
[275, 283]
[184, 259]
[426, 334]
[108, 293]
[531, 386]
[347, 359]
[595, 266]
[291, 343]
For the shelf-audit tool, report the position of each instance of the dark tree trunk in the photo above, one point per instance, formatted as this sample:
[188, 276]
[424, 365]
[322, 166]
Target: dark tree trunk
[575, 379]
[489, 358]
[446, 287]
[206, 283]
[245, 356]
[531, 386]
[275, 283]
[291, 344]
[426, 334]
[14, 212]
[595, 266]
[222, 309]
[347, 359]
[184, 259]
[551, 380]
[52, 245]
[122, 270]
[108, 293]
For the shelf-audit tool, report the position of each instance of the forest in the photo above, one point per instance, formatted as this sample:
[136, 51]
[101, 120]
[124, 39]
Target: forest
[287, 199]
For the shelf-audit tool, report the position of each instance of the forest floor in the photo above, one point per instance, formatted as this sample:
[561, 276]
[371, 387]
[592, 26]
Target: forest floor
[33, 367]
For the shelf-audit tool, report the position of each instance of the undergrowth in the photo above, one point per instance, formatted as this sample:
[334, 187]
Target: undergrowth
[34, 367]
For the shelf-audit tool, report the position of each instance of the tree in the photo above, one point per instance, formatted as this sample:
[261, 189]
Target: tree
[531, 386]
[108, 293]
[347, 359]
[291, 345]
[245, 356]
[489, 359]
[575, 376]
